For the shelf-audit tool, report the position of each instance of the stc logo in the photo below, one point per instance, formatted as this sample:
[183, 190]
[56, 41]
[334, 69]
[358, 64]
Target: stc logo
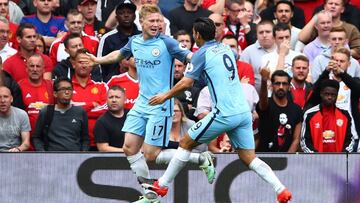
[221, 188]
[146, 63]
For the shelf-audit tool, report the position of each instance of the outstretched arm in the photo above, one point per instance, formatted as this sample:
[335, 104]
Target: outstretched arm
[183, 84]
[111, 58]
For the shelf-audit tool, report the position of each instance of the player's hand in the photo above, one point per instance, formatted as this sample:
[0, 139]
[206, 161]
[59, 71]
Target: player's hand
[157, 99]
[91, 59]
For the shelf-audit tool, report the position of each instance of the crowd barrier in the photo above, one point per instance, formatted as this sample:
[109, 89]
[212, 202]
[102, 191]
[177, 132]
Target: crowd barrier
[107, 178]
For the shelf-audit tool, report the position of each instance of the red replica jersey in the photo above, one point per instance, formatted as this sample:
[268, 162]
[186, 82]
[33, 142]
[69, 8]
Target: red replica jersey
[16, 66]
[35, 98]
[57, 49]
[85, 96]
[245, 70]
[89, 29]
[12, 35]
[130, 85]
[240, 33]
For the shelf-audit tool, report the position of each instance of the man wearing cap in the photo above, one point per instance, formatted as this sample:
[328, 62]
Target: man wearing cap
[117, 38]
[93, 27]
[327, 128]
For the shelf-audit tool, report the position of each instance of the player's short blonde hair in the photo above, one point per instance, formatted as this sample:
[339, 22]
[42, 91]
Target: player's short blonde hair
[148, 9]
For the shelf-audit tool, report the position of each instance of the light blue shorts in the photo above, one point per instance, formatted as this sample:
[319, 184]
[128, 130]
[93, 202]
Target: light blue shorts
[154, 128]
[237, 127]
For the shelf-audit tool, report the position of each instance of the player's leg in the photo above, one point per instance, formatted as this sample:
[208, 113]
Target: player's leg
[183, 153]
[242, 139]
[157, 136]
[134, 127]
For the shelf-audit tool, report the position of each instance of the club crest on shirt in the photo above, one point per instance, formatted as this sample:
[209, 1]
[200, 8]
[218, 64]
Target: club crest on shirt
[339, 122]
[46, 95]
[94, 90]
[155, 52]
[189, 67]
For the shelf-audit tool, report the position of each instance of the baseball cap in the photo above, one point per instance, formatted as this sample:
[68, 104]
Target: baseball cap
[126, 4]
[85, 1]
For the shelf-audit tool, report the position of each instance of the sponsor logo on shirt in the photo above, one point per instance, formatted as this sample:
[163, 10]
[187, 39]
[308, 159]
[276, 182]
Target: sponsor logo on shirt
[37, 105]
[143, 63]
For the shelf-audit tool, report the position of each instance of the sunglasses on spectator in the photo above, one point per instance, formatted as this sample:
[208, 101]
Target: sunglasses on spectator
[281, 83]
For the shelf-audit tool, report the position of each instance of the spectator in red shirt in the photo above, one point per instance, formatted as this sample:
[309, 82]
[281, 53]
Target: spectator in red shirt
[75, 24]
[327, 128]
[16, 64]
[129, 81]
[36, 92]
[4, 11]
[300, 88]
[88, 94]
[236, 23]
[93, 27]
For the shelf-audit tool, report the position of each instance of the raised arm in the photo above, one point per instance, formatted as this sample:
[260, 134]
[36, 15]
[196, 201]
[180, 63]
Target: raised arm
[263, 96]
[305, 34]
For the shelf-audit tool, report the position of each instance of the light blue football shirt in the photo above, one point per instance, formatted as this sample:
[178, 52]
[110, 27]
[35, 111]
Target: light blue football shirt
[154, 60]
[215, 62]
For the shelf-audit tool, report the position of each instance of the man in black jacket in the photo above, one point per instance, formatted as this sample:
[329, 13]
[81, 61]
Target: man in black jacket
[68, 126]
[65, 68]
[349, 91]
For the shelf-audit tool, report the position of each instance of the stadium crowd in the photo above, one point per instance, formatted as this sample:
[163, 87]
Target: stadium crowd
[298, 63]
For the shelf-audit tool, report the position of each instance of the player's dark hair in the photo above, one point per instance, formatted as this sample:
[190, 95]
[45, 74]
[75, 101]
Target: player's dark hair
[206, 27]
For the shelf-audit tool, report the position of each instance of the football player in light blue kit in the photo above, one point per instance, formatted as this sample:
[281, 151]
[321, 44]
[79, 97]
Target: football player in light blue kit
[148, 126]
[215, 62]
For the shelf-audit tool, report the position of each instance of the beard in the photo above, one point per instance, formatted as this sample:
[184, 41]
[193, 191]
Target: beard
[280, 94]
[64, 101]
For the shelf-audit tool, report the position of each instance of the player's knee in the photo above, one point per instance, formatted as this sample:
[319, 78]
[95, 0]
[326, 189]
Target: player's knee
[187, 144]
[150, 157]
[129, 149]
